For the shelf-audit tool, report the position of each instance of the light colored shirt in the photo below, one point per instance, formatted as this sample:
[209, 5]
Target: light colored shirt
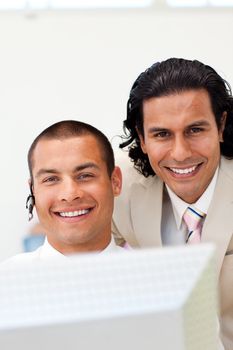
[47, 252]
[173, 229]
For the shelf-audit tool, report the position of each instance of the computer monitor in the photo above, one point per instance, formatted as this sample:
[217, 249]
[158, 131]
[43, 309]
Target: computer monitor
[159, 299]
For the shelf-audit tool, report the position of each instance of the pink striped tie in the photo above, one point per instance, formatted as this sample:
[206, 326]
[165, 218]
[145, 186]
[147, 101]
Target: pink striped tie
[194, 222]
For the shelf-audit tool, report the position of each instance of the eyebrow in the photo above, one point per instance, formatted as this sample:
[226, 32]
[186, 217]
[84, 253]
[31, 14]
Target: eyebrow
[199, 123]
[156, 129]
[88, 165]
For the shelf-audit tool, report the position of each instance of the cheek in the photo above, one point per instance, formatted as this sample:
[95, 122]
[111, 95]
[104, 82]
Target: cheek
[105, 198]
[156, 154]
[208, 147]
[43, 200]
[101, 193]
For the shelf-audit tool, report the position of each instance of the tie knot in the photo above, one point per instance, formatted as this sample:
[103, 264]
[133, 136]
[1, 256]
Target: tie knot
[193, 218]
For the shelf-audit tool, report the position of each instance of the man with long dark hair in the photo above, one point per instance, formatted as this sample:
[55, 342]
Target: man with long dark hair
[179, 189]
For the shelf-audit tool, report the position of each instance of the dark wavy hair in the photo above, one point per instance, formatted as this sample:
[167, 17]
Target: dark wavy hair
[171, 77]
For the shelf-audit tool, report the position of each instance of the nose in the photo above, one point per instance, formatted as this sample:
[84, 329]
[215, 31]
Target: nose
[181, 149]
[70, 191]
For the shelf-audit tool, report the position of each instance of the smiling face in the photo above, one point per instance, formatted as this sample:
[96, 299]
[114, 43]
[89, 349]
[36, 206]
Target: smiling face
[74, 193]
[181, 140]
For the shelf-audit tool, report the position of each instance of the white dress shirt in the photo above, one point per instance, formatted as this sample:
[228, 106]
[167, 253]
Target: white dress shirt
[47, 252]
[173, 229]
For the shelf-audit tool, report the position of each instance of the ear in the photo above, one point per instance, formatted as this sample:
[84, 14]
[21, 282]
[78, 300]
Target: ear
[142, 142]
[222, 126]
[116, 180]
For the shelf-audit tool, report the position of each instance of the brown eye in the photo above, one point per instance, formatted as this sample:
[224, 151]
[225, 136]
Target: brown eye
[85, 176]
[51, 179]
[162, 134]
[195, 130]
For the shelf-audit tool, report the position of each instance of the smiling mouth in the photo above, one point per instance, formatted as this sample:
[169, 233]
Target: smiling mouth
[75, 213]
[184, 171]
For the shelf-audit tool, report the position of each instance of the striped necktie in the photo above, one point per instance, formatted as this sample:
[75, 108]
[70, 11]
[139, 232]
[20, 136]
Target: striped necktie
[194, 221]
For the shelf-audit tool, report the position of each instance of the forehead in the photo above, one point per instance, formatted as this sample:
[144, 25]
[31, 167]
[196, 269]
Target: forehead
[187, 105]
[66, 153]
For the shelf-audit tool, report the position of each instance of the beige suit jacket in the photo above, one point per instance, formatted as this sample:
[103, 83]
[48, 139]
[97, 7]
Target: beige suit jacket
[137, 220]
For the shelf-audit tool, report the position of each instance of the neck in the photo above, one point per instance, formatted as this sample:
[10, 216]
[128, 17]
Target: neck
[67, 248]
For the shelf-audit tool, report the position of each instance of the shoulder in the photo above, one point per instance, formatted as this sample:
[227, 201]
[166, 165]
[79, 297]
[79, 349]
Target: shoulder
[226, 166]
[135, 189]
[22, 258]
[130, 175]
[130, 178]
[225, 177]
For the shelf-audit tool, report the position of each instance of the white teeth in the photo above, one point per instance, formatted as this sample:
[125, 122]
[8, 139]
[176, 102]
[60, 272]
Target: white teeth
[183, 171]
[70, 214]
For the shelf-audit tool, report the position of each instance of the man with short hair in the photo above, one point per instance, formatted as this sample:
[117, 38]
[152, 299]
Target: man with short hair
[179, 134]
[73, 182]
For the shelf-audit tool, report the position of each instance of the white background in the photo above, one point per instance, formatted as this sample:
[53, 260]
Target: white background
[81, 65]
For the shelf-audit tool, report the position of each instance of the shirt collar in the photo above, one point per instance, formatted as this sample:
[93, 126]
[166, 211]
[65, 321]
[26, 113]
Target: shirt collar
[179, 206]
[48, 252]
[111, 247]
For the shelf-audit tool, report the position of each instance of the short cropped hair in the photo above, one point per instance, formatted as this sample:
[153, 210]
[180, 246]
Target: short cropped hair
[170, 77]
[72, 128]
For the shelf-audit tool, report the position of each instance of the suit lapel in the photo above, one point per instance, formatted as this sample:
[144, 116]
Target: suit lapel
[146, 211]
[218, 227]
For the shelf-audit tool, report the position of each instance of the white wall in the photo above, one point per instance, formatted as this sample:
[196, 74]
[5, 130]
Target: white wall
[82, 65]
